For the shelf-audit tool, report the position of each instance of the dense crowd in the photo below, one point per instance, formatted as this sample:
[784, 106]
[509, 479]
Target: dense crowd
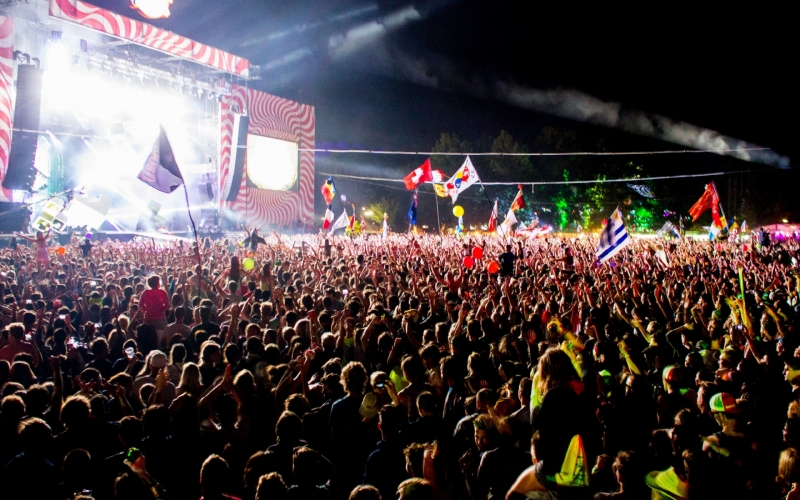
[365, 368]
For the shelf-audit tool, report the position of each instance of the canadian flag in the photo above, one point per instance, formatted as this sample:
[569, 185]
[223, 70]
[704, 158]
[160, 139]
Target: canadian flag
[326, 224]
[421, 174]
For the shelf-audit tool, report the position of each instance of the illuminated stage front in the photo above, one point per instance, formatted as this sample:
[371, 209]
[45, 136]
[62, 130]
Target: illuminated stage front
[107, 87]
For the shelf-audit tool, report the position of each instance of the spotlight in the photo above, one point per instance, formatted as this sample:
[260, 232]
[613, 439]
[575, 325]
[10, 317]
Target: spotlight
[54, 140]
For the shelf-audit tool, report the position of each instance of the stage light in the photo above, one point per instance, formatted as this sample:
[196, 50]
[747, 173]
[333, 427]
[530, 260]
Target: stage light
[55, 36]
[55, 140]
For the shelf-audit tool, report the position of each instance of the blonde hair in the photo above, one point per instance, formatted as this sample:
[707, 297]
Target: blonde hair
[190, 379]
[788, 469]
[554, 369]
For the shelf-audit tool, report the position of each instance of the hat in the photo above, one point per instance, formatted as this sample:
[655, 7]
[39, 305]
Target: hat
[158, 359]
[672, 373]
[369, 405]
[667, 484]
[724, 403]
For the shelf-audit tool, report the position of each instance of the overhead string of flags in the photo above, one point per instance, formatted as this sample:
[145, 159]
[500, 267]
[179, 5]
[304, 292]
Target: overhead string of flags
[614, 236]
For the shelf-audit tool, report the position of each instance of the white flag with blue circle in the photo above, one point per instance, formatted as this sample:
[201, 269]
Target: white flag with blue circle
[613, 238]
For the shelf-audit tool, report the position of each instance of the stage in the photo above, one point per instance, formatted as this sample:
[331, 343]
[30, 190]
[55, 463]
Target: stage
[96, 87]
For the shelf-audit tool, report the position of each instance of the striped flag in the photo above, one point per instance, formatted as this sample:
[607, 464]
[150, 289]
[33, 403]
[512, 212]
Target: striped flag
[519, 201]
[326, 224]
[613, 238]
[328, 190]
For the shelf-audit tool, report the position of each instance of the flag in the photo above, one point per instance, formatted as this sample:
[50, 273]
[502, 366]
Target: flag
[351, 222]
[668, 227]
[713, 232]
[412, 211]
[493, 218]
[613, 238]
[328, 190]
[341, 223]
[744, 226]
[161, 171]
[710, 199]
[326, 224]
[642, 190]
[440, 189]
[511, 219]
[519, 201]
[463, 178]
[535, 232]
[385, 225]
[421, 174]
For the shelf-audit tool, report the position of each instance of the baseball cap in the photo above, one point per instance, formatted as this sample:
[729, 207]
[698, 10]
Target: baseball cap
[369, 405]
[724, 403]
[158, 359]
[672, 374]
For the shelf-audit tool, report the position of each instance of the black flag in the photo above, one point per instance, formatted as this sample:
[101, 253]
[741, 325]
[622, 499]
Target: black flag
[161, 170]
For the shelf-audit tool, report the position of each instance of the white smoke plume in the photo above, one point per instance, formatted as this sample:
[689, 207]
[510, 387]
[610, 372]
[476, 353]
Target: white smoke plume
[438, 72]
[578, 106]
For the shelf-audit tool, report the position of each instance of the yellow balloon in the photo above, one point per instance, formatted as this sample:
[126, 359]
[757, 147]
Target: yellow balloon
[248, 264]
[458, 210]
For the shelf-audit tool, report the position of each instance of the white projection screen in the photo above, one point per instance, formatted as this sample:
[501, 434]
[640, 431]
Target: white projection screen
[272, 164]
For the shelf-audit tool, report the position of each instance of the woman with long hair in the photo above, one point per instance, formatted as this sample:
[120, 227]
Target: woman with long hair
[190, 381]
[177, 356]
[565, 409]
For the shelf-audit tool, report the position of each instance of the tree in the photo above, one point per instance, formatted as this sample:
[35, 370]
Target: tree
[449, 143]
[510, 167]
[390, 206]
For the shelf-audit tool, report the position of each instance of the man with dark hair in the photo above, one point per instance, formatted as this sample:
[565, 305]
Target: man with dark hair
[427, 427]
[31, 474]
[214, 478]
[386, 466]
[208, 327]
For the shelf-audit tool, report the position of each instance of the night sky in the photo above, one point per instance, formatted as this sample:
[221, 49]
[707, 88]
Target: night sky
[394, 75]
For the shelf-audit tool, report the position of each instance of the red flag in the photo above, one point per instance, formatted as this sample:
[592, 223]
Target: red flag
[519, 201]
[493, 219]
[326, 224]
[710, 199]
[419, 175]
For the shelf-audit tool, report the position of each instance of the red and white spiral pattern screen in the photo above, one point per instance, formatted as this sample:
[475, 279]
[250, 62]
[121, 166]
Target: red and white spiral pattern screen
[6, 107]
[278, 118]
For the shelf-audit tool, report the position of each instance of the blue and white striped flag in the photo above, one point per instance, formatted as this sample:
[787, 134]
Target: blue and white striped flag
[613, 238]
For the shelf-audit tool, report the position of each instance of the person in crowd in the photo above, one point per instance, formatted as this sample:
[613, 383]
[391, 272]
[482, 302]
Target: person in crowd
[390, 364]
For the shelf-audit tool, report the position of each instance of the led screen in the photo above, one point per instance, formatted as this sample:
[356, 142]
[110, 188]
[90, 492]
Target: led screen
[272, 163]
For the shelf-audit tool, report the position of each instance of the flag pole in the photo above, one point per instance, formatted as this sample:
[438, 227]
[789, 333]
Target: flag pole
[194, 227]
[438, 219]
